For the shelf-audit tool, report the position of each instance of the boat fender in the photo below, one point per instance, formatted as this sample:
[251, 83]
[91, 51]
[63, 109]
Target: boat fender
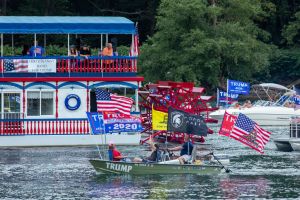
[77, 99]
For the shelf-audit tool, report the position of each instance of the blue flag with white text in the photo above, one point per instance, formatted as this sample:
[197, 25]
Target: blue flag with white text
[96, 122]
[238, 87]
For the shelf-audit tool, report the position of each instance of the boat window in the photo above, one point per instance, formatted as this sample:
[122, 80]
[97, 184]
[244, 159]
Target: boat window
[47, 103]
[11, 105]
[39, 103]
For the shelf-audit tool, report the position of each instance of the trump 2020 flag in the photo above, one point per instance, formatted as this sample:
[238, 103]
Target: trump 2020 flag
[237, 87]
[182, 122]
[249, 133]
[112, 102]
[227, 124]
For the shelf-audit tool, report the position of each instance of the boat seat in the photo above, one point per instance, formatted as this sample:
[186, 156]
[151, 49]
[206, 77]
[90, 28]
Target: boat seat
[110, 155]
[164, 156]
[193, 155]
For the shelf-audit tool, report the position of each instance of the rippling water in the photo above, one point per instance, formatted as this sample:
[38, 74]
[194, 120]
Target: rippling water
[65, 173]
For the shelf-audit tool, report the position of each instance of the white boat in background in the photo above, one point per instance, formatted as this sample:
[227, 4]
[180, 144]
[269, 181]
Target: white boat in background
[266, 113]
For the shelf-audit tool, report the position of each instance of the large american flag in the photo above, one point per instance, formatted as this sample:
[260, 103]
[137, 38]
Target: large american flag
[15, 65]
[249, 133]
[111, 102]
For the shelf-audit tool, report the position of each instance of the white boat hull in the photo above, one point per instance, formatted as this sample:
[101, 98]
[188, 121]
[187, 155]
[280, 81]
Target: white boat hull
[264, 116]
[68, 140]
[295, 143]
[283, 144]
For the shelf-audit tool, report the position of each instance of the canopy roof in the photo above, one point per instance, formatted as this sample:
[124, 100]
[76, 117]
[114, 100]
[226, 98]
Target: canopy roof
[272, 86]
[65, 25]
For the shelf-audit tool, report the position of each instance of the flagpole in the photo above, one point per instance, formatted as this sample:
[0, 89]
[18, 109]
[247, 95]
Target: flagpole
[226, 96]
[218, 98]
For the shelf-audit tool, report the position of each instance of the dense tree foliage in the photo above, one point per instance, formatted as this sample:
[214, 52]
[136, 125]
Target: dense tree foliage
[205, 41]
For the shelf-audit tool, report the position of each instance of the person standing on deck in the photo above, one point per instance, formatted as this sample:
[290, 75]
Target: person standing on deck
[36, 50]
[107, 51]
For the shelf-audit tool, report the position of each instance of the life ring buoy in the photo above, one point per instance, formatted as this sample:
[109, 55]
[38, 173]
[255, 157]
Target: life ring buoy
[72, 96]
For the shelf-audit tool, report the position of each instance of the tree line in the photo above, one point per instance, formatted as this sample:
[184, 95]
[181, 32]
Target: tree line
[203, 41]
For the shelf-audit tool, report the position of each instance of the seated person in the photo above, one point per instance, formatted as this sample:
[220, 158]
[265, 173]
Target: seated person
[185, 150]
[36, 50]
[247, 104]
[73, 51]
[114, 154]
[85, 51]
[237, 105]
[154, 156]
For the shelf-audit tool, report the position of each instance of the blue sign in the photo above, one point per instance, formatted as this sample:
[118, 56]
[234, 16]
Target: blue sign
[296, 99]
[96, 122]
[100, 125]
[223, 96]
[238, 87]
[123, 125]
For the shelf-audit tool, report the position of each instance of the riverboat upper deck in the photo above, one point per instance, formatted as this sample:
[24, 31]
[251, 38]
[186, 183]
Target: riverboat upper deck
[50, 95]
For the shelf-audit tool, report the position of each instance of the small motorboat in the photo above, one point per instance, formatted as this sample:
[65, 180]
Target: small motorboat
[115, 167]
[205, 164]
[291, 143]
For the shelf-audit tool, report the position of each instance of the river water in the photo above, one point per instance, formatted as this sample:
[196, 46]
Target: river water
[65, 173]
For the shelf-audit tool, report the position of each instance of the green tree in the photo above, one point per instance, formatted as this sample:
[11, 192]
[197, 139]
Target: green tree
[206, 42]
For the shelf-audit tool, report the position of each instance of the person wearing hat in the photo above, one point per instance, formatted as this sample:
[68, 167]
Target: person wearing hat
[154, 156]
[73, 51]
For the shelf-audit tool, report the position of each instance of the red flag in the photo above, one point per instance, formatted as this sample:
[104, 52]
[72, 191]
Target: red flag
[134, 48]
[249, 133]
[227, 124]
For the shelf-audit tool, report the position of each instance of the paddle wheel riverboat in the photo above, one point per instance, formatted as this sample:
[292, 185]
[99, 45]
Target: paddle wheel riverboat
[179, 95]
[46, 104]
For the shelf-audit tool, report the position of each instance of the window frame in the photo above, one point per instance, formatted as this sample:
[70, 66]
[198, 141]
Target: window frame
[40, 103]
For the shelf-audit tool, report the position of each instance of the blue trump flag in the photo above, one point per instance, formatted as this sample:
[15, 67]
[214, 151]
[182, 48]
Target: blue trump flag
[222, 97]
[237, 87]
[96, 122]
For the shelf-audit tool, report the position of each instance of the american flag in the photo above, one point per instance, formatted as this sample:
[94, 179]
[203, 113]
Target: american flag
[249, 133]
[15, 65]
[134, 48]
[111, 102]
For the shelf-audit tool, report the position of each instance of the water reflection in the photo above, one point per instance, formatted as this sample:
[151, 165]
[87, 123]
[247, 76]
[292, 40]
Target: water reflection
[241, 187]
[65, 173]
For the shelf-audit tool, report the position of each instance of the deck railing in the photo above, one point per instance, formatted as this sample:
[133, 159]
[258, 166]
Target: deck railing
[44, 127]
[67, 64]
[295, 127]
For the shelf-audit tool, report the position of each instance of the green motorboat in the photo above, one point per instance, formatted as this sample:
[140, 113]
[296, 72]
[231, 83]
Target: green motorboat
[105, 166]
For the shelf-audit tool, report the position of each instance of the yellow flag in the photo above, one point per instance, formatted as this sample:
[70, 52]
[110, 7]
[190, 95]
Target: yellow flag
[159, 120]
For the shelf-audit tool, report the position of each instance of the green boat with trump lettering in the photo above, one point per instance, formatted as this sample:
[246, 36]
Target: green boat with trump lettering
[115, 167]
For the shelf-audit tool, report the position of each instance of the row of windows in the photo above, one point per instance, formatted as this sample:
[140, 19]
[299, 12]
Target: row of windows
[38, 103]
